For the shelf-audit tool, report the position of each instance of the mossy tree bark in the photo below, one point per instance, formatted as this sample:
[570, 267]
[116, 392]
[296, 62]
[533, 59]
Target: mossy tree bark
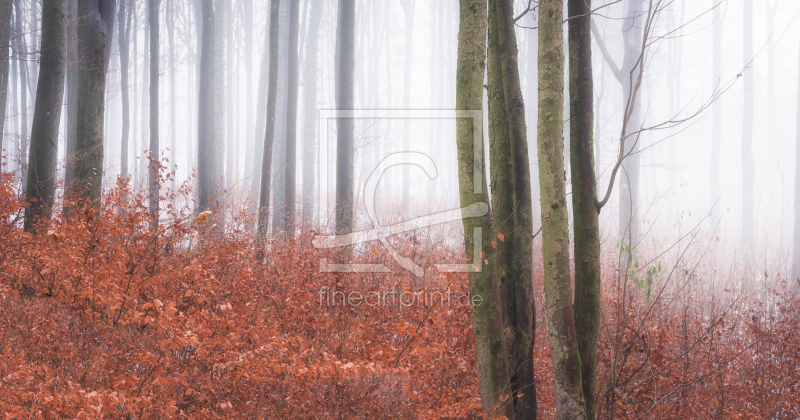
[512, 204]
[555, 229]
[487, 318]
[588, 283]
[95, 25]
[47, 114]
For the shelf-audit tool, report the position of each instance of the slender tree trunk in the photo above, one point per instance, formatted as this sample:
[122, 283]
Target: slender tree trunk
[310, 109]
[570, 402]
[145, 89]
[124, 61]
[95, 25]
[279, 143]
[408, 8]
[47, 115]
[261, 125]
[344, 126]
[629, 179]
[220, 99]
[155, 153]
[716, 116]
[5, 37]
[208, 172]
[287, 215]
[251, 159]
[173, 133]
[15, 111]
[748, 171]
[272, 95]
[72, 97]
[487, 318]
[22, 51]
[588, 283]
[795, 279]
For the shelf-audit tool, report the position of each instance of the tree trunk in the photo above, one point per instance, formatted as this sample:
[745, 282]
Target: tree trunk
[716, 117]
[155, 159]
[143, 146]
[173, 133]
[124, 29]
[22, 52]
[5, 37]
[220, 98]
[795, 279]
[261, 125]
[47, 115]
[287, 215]
[95, 25]
[523, 306]
[344, 126]
[487, 318]
[588, 283]
[272, 95]
[251, 159]
[408, 8]
[310, 109]
[629, 179]
[72, 97]
[748, 171]
[208, 172]
[555, 230]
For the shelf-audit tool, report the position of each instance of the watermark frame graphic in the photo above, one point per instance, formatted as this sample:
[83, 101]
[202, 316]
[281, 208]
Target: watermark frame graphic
[382, 233]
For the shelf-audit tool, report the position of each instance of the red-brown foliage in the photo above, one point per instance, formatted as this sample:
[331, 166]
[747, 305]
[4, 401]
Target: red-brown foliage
[103, 318]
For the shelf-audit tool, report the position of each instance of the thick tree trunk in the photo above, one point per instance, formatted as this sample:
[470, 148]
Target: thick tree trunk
[208, 172]
[95, 25]
[310, 71]
[555, 230]
[588, 283]
[287, 215]
[5, 37]
[523, 306]
[748, 171]
[272, 95]
[155, 159]
[487, 318]
[344, 126]
[124, 61]
[47, 115]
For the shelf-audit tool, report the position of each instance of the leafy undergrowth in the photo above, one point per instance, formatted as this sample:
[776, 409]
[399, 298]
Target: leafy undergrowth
[103, 318]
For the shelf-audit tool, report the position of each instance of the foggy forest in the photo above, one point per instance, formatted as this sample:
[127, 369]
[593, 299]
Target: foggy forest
[397, 209]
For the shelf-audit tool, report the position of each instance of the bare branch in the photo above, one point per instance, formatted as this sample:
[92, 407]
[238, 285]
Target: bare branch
[615, 70]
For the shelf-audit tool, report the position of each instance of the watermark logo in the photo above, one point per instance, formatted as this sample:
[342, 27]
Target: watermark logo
[370, 188]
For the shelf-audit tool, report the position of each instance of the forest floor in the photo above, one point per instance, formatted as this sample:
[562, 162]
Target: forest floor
[104, 318]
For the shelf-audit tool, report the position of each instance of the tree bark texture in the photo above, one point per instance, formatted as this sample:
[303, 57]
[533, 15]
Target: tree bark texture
[269, 136]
